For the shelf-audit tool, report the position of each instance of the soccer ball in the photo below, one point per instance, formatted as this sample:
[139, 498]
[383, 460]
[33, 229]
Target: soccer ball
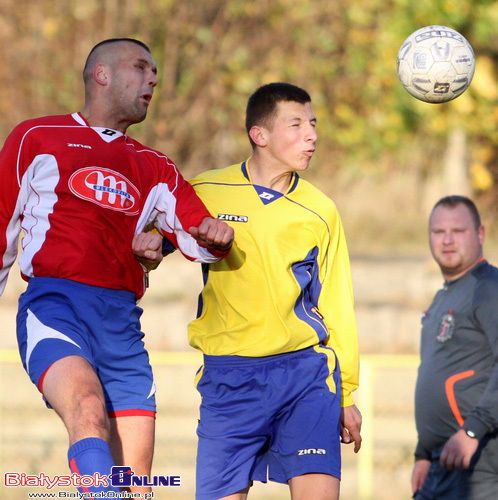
[436, 64]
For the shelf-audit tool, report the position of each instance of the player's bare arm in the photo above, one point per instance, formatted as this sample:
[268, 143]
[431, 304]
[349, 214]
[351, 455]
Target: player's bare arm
[351, 420]
[213, 233]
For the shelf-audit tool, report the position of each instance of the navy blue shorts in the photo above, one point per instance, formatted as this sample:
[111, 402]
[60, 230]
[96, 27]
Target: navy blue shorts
[59, 318]
[273, 418]
[479, 482]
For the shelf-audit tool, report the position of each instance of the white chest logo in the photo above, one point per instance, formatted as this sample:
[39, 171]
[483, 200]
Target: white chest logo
[74, 145]
[267, 196]
[233, 218]
[106, 188]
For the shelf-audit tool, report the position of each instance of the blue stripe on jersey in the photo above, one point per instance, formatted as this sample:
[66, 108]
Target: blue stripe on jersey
[243, 167]
[200, 302]
[294, 184]
[306, 273]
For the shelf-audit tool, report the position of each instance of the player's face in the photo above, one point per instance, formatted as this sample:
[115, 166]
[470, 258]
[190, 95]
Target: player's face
[133, 78]
[291, 142]
[456, 244]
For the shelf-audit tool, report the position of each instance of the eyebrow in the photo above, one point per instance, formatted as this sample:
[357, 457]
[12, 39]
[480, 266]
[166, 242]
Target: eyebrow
[298, 119]
[452, 228]
[147, 63]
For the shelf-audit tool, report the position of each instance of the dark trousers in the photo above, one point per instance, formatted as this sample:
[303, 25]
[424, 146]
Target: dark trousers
[479, 482]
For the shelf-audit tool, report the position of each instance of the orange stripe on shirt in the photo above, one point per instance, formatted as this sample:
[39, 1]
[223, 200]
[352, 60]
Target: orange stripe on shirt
[450, 393]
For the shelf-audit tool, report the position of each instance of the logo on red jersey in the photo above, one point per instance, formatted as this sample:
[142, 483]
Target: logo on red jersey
[106, 188]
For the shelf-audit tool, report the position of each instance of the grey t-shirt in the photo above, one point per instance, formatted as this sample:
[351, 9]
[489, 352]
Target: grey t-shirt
[457, 383]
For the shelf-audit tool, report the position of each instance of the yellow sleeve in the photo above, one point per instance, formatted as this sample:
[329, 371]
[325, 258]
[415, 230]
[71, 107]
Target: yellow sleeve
[336, 303]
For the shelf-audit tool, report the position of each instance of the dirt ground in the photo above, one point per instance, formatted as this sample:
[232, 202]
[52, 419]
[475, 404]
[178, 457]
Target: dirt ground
[390, 294]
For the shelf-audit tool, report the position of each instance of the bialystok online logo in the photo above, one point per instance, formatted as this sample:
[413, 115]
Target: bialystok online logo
[119, 477]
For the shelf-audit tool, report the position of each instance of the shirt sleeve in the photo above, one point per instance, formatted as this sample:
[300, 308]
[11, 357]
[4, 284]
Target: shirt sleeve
[421, 453]
[336, 304]
[10, 211]
[484, 416]
[178, 209]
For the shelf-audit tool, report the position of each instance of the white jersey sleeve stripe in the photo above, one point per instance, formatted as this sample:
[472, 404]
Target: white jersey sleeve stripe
[38, 196]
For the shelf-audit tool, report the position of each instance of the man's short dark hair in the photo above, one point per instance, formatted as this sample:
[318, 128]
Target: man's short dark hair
[262, 105]
[454, 200]
[107, 42]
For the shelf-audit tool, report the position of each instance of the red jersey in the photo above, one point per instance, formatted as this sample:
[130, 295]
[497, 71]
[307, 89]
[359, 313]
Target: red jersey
[80, 194]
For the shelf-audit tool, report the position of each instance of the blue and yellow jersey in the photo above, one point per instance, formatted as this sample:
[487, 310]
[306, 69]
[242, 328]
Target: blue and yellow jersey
[286, 283]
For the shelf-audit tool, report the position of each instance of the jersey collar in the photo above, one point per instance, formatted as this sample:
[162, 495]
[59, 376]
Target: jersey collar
[271, 194]
[107, 134]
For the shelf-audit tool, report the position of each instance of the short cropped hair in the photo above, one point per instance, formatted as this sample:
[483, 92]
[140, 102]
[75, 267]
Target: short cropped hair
[262, 105]
[454, 200]
[88, 64]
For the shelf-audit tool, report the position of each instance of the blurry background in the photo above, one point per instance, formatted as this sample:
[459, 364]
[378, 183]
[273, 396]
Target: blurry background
[384, 157]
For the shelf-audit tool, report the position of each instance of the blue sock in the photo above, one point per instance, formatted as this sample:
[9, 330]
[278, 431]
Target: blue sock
[88, 457]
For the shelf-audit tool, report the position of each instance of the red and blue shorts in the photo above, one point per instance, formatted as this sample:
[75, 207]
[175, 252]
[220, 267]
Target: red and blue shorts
[59, 318]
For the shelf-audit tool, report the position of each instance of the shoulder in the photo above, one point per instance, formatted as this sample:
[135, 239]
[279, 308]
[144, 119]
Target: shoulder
[52, 121]
[45, 122]
[313, 198]
[484, 272]
[486, 287]
[153, 155]
[228, 175]
[37, 130]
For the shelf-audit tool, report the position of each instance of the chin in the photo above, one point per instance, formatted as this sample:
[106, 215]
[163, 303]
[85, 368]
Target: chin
[302, 168]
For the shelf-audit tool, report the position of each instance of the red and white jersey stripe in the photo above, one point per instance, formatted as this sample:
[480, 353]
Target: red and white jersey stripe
[79, 194]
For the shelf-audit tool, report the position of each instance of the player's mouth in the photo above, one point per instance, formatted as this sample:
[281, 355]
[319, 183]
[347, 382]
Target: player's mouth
[309, 152]
[146, 97]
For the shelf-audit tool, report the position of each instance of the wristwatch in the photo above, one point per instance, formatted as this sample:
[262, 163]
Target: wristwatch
[470, 433]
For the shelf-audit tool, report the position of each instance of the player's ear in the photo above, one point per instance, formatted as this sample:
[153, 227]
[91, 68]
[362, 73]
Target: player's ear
[481, 233]
[100, 74]
[258, 135]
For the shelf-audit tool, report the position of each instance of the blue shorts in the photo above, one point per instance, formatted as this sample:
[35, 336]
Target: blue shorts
[273, 418]
[59, 318]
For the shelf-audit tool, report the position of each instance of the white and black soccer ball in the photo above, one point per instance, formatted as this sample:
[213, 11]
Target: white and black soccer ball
[436, 64]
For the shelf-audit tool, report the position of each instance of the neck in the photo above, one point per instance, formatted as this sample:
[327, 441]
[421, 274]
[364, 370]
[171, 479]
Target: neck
[266, 175]
[448, 277]
[96, 117]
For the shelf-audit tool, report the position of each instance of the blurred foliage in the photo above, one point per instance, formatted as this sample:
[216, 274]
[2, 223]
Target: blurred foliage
[213, 53]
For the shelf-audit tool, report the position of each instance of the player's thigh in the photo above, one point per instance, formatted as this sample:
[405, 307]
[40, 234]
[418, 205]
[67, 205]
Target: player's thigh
[49, 328]
[73, 390]
[132, 442]
[314, 487]
[305, 438]
[241, 495]
[122, 360]
[233, 428]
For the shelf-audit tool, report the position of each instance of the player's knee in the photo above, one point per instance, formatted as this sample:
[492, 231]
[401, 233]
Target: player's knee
[86, 416]
[91, 407]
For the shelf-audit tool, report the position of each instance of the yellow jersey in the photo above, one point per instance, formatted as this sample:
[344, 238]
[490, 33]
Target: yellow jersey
[286, 283]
